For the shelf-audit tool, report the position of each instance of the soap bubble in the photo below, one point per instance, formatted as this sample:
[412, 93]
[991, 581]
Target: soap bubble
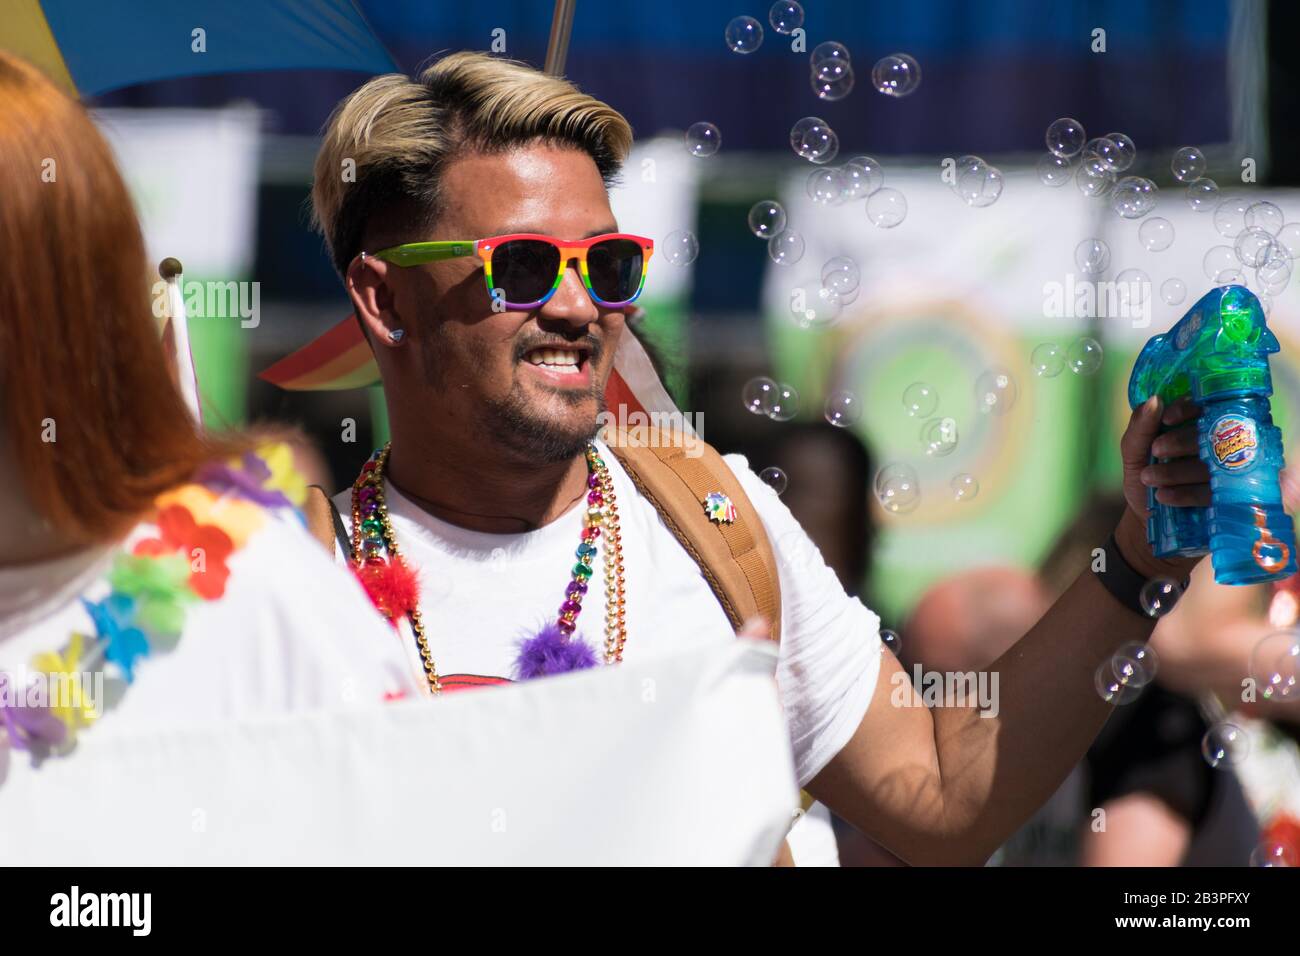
[1159, 595]
[1105, 150]
[744, 35]
[1127, 151]
[1225, 746]
[832, 80]
[896, 75]
[1265, 304]
[1275, 273]
[1230, 216]
[1054, 170]
[862, 177]
[1217, 259]
[1272, 853]
[964, 487]
[703, 139]
[1066, 137]
[1173, 291]
[830, 50]
[1157, 234]
[841, 275]
[897, 489]
[782, 403]
[1111, 689]
[1230, 277]
[756, 394]
[681, 247]
[1135, 663]
[886, 207]
[786, 16]
[843, 409]
[890, 641]
[1084, 356]
[821, 309]
[1047, 360]
[1275, 666]
[774, 478]
[826, 187]
[814, 140]
[1093, 179]
[1133, 287]
[785, 248]
[1092, 256]
[1188, 164]
[1254, 246]
[811, 134]
[939, 437]
[1264, 215]
[1202, 195]
[920, 400]
[1288, 239]
[995, 391]
[802, 127]
[1133, 197]
[977, 183]
[767, 219]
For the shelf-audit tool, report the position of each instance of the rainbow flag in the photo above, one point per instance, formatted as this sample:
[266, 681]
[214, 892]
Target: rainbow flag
[92, 47]
[337, 360]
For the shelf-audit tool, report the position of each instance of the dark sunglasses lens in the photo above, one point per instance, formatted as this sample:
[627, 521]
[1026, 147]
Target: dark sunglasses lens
[614, 267]
[525, 269]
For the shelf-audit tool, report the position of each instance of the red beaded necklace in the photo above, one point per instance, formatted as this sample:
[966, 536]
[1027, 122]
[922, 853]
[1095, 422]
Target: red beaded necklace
[394, 589]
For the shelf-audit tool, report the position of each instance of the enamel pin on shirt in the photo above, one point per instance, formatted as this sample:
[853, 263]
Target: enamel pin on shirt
[719, 508]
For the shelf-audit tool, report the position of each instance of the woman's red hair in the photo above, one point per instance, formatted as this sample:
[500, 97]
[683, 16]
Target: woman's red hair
[79, 348]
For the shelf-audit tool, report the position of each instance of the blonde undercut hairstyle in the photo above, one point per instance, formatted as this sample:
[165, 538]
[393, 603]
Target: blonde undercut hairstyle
[378, 172]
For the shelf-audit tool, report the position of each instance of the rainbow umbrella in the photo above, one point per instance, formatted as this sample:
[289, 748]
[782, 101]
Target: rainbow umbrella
[91, 48]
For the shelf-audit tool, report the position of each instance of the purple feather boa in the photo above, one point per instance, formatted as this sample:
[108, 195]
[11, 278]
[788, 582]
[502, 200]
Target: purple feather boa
[551, 652]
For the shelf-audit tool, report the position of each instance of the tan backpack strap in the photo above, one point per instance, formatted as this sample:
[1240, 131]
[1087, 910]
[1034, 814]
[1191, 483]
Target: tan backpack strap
[736, 558]
[323, 520]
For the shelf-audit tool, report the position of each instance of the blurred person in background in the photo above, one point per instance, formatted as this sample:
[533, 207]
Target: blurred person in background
[149, 573]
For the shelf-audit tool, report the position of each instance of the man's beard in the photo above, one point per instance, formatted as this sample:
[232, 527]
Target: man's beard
[516, 424]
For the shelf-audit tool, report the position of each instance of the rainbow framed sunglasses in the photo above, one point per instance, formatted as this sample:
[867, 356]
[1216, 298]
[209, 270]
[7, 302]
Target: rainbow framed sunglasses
[524, 270]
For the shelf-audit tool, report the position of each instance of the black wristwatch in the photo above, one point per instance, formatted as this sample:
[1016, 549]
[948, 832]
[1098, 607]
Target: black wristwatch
[1124, 584]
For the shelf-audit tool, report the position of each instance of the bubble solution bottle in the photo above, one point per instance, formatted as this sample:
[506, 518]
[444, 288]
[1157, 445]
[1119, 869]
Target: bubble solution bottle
[1217, 355]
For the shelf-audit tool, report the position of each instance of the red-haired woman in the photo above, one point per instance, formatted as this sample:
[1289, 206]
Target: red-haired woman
[149, 573]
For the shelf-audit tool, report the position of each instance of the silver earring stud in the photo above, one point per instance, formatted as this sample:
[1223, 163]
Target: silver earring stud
[396, 335]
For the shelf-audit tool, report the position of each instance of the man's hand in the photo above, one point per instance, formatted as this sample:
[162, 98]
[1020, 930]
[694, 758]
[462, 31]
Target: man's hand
[1180, 478]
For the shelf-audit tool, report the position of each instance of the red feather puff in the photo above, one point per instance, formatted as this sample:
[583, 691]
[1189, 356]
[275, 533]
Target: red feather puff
[392, 586]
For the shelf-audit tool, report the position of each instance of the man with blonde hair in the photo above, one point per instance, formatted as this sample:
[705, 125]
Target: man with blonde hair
[467, 212]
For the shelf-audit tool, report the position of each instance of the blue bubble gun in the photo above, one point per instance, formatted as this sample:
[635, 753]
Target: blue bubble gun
[1217, 355]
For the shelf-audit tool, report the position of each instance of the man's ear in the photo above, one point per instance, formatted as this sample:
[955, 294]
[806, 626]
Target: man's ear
[373, 299]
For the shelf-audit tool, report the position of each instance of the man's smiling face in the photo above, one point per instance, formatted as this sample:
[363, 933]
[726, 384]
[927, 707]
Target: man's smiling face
[534, 380]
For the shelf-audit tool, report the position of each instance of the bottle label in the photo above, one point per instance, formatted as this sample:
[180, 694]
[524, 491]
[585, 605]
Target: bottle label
[1235, 442]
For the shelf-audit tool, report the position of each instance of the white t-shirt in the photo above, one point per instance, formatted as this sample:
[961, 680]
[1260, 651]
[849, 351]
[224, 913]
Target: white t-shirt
[481, 594]
[291, 632]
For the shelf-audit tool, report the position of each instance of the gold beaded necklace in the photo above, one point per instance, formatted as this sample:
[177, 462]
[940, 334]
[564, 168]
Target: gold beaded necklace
[392, 587]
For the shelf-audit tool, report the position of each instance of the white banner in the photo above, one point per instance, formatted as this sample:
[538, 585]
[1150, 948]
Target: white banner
[683, 759]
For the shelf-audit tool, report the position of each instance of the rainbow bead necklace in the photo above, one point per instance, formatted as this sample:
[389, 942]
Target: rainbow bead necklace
[378, 563]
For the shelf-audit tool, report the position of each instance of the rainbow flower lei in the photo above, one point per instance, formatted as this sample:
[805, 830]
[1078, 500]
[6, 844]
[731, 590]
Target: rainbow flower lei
[197, 527]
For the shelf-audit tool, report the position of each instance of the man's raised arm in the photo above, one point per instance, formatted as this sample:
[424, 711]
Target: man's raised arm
[948, 785]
